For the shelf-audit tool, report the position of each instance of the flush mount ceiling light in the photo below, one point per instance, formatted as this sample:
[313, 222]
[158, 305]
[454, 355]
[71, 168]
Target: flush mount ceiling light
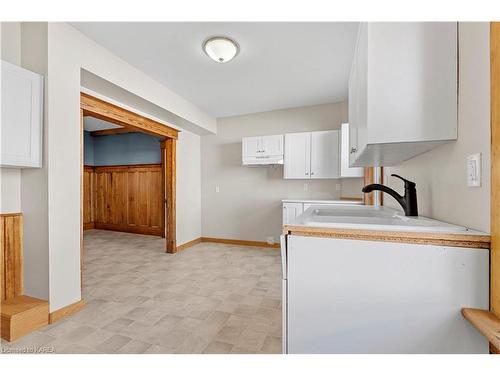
[221, 48]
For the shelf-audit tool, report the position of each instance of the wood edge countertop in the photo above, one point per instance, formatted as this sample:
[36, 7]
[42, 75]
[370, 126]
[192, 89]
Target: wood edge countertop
[469, 240]
[485, 322]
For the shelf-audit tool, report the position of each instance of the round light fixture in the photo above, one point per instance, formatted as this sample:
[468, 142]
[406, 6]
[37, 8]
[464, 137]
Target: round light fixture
[221, 48]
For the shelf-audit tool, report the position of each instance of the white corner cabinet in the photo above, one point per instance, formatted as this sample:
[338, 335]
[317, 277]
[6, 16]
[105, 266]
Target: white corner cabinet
[262, 150]
[402, 91]
[22, 117]
[345, 169]
[312, 155]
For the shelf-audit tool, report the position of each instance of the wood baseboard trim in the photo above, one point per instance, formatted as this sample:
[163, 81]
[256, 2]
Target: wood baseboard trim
[130, 229]
[186, 245]
[66, 311]
[240, 242]
[88, 226]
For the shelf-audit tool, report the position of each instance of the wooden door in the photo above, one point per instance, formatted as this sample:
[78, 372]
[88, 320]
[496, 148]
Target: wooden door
[129, 199]
[145, 200]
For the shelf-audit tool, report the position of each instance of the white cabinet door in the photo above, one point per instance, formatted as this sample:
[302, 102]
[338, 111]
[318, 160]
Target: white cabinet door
[358, 307]
[291, 211]
[393, 116]
[325, 154]
[272, 145]
[297, 155]
[22, 117]
[252, 146]
[345, 170]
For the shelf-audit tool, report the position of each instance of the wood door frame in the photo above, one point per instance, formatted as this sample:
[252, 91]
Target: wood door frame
[495, 168]
[98, 108]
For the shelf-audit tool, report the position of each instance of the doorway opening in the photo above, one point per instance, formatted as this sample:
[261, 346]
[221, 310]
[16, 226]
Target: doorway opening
[130, 197]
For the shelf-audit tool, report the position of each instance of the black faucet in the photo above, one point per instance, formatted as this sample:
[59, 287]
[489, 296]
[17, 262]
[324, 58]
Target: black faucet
[408, 202]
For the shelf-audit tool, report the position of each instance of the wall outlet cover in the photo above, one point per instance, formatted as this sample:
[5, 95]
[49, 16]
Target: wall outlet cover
[270, 240]
[474, 170]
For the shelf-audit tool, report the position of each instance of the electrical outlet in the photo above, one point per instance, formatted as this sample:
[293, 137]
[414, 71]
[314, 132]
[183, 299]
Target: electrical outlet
[338, 187]
[270, 240]
[474, 170]
[306, 186]
[217, 188]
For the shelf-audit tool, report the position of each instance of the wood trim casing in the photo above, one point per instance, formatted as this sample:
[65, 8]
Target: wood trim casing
[368, 179]
[66, 311]
[472, 241]
[114, 131]
[169, 154]
[239, 242]
[495, 169]
[189, 244]
[103, 110]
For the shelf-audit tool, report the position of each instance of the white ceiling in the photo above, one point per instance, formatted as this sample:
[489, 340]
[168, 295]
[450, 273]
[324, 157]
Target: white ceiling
[280, 65]
[92, 124]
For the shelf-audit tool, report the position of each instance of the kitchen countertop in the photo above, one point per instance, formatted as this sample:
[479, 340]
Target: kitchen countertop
[325, 201]
[336, 228]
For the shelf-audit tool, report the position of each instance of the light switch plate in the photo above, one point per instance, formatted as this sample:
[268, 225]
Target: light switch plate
[474, 170]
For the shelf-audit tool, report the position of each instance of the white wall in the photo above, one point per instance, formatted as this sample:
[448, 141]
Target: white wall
[34, 181]
[188, 189]
[10, 186]
[441, 174]
[69, 51]
[248, 206]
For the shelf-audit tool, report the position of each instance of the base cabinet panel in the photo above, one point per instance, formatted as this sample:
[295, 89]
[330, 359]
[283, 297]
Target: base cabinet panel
[349, 296]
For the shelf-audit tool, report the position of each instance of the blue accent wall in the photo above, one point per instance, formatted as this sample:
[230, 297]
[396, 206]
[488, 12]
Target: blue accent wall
[123, 149]
[88, 149]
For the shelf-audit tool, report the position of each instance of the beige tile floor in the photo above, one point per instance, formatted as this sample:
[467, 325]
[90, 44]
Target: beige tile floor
[210, 298]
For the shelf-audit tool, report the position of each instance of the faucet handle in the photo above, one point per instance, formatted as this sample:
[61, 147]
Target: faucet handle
[408, 184]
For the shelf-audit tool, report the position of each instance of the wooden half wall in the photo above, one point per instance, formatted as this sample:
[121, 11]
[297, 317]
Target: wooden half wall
[125, 198]
[11, 255]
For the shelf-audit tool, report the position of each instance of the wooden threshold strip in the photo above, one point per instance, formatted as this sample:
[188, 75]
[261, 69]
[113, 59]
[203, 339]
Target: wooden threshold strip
[485, 322]
[474, 241]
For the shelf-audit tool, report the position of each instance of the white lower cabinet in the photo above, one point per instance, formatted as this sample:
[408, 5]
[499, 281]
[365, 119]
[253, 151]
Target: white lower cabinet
[291, 211]
[353, 296]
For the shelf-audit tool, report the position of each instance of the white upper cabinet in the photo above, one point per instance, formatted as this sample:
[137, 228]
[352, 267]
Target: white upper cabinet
[297, 155]
[272, 145]
[262, 150]
[252, 146]
[345, 170]
[402, 91]
[312, 155]
[325, 154]
[21, 116]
